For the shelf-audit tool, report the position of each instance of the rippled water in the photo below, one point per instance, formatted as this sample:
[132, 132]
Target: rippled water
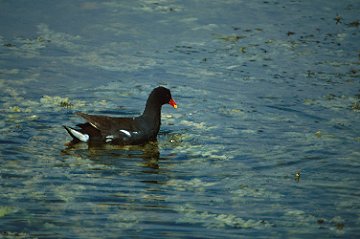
[264, 144]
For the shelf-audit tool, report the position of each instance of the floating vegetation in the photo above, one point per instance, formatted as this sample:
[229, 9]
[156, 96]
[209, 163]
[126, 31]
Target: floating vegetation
[338, 19]
[217, 220]
[231, 38]
[355, 23]
[164, 6]
[318, 134]
[65, 104]
[9, 45]
[15, 109]
[58, 38]
[338, 222]
[191, 185]
[355, 106]
[62, 102]
[53, 100]
[5, 210]
[253, 192]
[289, 33]
[14, 235]
[336, 102]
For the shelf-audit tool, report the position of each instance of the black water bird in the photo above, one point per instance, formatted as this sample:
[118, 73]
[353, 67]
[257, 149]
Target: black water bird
[124, 131]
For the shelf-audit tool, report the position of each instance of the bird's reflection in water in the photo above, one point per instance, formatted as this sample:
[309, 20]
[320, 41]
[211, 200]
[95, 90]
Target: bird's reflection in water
[114, 155]
[132, 173]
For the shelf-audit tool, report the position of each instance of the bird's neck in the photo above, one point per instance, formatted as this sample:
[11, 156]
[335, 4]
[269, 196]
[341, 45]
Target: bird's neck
[152, 112]
[152, 119]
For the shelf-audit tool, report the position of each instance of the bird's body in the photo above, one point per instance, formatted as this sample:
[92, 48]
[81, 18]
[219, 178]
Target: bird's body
[124, 131]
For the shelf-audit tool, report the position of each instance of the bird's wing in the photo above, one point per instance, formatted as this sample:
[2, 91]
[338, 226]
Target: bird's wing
[105, 123]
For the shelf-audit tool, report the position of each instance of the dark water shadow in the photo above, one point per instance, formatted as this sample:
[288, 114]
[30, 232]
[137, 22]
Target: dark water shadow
[116, 155]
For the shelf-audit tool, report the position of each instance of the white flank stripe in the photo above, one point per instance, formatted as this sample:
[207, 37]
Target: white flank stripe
[80, 136]
[93, 125]
[125, 132]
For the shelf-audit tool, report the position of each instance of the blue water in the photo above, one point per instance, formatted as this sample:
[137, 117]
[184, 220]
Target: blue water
[264, 144]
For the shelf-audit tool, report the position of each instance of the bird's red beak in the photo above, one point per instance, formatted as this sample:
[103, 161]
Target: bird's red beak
[173, 103]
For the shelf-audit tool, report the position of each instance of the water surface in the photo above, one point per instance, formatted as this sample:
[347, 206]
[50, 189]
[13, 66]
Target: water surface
[264, 144]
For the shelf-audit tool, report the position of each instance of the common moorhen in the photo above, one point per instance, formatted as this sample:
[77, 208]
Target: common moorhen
[124, 131]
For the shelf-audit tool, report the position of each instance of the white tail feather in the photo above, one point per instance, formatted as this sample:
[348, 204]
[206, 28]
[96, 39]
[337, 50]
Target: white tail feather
[78, 135]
